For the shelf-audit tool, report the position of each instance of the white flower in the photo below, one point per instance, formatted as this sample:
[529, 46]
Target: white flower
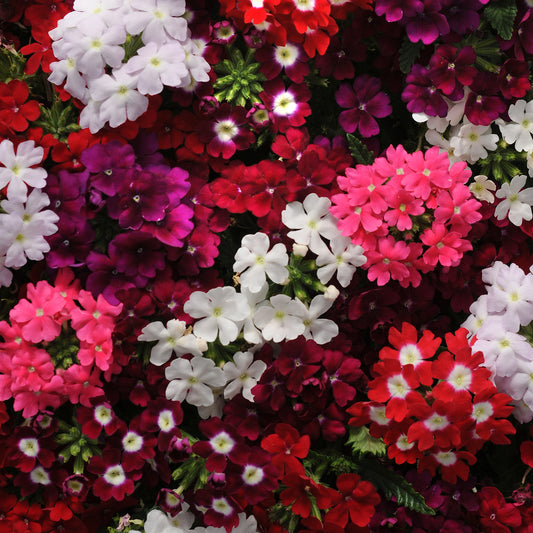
[174, 338]
[310, 221]
[471, 142]
[481, 188]
[245, 525]
[343, 258]
[118, 97]
[159, 20]
[159, 522]
[255, 262]
[321, 330]
[517, 201]
[193, 380]
[520, 129]
[242, 375]
[250, 332]
[224, 310]
[67, 69]
[281, 318]
[155, 66]
[17, 173]
[197, 66]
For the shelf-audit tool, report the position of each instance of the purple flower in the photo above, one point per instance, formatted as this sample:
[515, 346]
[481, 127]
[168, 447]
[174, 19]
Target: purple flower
[137, 254]
[426, 26]
[72, 242]
[364, 102]
[421, 94]
[144, 198]
[462, 15]
[109, 163]
[395, 10]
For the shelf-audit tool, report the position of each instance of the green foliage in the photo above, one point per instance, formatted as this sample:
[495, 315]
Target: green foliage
[76, 445]
[239, 80]
[409, 53]
[501, 15]
[362, 442]
[59, 119]
[359, 150]
[393, 485]
[11, 64]
[192, 473]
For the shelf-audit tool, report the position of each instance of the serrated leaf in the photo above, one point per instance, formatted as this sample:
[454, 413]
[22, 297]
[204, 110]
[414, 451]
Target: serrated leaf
[362, 442]
[501, 15]
[409, 52]
[358, 150]
[393, 485]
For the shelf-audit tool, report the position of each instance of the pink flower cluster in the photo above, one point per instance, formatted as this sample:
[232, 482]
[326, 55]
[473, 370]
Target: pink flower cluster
[410, 212]
[58, 343]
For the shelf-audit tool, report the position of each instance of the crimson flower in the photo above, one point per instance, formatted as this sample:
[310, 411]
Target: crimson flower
[286, 447]
[15, 112]
[357, 503]
[495, 515]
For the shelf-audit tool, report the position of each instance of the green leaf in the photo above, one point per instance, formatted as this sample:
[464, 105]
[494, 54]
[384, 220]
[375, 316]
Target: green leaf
[393, 485]
[409, 53]
[501, 15]
[358, 150]
[362, 442]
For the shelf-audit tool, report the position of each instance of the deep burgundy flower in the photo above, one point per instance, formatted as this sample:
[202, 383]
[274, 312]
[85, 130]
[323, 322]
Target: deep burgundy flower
[364, 102]
[426, 25]
[449, 67]
[483, 105]
[513, 79]
[462, 15]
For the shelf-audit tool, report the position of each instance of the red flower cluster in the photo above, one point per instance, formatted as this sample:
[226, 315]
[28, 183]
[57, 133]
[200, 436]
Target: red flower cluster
[434, 411]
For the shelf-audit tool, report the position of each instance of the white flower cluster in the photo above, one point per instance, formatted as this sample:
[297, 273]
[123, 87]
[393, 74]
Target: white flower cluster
[223, 313]
[497, 320]
[89, 44]
[467, 142]
[24, 223]
[160, 522]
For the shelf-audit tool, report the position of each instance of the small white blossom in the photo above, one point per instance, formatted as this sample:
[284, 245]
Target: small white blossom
[242, 375]
[471, 142]
[255, 262]
[482, 187]
[174, 338]
[160, 522]
[280, 318]
[519, 130]
[221, 310]
[193, 380]
[17, 173]
[343, 258]
[321, 330]
[517, 201]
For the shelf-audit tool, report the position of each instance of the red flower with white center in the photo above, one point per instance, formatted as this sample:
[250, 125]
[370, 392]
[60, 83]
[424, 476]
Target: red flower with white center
[370, 412]
[225, 131]
[254, 478]
[357, 503]
[398, 446]
[306, 14]
[409, 350]
[436, 425]
[162, 416]
[451, 463]
[461, 373]
[286, 447]
[137, 448]
[112, 480]
[289, 58]
[219, 510]
[395, 385]
[287, 106]
[25, 450]
[223, 443]
[93, 420]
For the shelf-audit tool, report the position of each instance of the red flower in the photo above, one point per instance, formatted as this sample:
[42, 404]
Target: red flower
[300, 492]
[14, 112]
[286, 447]
[358, 502]
[495, 515]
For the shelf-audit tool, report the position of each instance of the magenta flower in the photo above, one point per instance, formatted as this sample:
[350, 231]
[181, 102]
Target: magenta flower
[364, 102]
[421, 94]
[427, 25]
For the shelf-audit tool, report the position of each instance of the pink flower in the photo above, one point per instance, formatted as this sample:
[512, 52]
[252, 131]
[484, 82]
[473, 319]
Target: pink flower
[387, 261]
[444, 247]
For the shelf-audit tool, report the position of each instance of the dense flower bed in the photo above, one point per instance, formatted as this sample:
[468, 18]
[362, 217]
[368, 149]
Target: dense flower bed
[266, 266]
